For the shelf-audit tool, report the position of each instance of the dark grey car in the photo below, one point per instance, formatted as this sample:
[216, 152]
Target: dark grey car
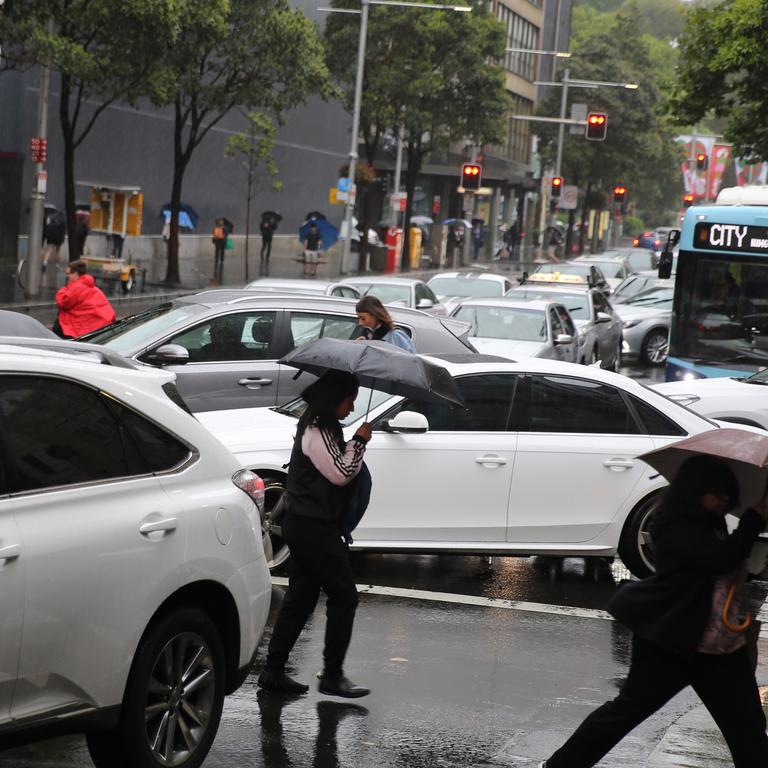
[223, 345]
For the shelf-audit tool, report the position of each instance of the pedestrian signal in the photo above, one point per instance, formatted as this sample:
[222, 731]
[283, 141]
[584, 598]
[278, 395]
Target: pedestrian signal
[688, 201]
[557, 187]
[701, 162]
[471, 176]
[597, 126]
[619, 193]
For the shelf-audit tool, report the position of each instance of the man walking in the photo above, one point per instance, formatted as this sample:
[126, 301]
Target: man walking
[312, 245]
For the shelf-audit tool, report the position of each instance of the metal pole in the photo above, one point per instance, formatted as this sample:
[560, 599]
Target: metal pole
[350, 207]
[394, 215]
[561, 127]
[37, 203]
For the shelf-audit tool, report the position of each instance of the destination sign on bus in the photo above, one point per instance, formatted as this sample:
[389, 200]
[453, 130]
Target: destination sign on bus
[741, 238]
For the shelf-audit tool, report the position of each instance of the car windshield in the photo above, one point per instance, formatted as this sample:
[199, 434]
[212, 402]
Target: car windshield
[505, 323]
[576, 303]
[609, 268]
[296, 407]
[632, 286]
[653, 297]
[139, 330]
[466, 286]
[639, 260]
[388, 293]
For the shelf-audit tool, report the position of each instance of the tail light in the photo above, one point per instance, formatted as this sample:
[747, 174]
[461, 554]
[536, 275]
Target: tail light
[636, 241]
[252, 484]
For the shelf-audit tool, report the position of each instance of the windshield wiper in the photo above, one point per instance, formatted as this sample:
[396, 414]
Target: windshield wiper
[284, 410]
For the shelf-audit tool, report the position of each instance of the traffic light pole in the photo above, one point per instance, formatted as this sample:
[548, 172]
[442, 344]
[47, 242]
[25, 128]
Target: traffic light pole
[561, 127]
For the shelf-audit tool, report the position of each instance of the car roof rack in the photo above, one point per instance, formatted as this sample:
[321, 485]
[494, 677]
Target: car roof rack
[105, 356]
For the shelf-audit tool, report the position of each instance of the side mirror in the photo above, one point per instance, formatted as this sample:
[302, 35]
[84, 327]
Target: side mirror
[603, 317]
[524, 278]
[563, 338]
[168, 354]
[425, 304]
[407, 422]
[665, 265]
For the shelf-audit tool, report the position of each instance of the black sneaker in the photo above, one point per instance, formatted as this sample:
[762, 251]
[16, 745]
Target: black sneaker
[338, 685]
[279, 681]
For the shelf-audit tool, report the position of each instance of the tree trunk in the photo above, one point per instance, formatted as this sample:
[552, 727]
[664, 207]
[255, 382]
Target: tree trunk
[584, 218]
[180, 160]
[411, 173]
[68, 138]
[248, 219]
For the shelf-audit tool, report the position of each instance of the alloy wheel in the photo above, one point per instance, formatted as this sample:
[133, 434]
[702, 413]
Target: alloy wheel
[275, 549]
[180, 699]
[655, 348]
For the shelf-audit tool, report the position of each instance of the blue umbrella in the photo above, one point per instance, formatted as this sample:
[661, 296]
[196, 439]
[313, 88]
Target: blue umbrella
[188, 216]
[463, 222]
[328, 233]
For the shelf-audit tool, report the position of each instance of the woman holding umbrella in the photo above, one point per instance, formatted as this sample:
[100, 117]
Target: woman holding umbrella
[321, 465]
[686, 622]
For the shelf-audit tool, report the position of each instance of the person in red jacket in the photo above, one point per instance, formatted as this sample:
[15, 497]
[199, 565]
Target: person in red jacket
[82, 306]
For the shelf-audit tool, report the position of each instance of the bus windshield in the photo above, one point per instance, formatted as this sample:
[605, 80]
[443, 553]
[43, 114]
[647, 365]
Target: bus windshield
[722, 310]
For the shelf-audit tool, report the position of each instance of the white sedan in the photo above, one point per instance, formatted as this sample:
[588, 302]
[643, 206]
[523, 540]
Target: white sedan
[543, 460]
[738, 400]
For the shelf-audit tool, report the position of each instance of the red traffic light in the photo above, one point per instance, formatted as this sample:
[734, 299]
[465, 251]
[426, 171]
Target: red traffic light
[557, 186]
[688, 200]
[619, 193]
[701, 161]
[471, 175]
[597, 126]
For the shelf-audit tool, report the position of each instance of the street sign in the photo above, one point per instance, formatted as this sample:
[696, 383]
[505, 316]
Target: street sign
[38, 150]
[568, 198]
[42, 182]
[578, 112]
[333, 197]
[343, 184]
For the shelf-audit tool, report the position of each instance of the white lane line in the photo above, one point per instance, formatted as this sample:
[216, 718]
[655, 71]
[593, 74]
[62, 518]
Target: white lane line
[486, 602]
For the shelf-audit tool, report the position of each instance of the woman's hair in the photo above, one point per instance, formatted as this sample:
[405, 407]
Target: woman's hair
[373, 306]
[78, 267]
[696, 477]
[323, 397]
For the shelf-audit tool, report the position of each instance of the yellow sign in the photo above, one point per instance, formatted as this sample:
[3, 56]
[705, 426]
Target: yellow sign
[116, 211]
[555, 277]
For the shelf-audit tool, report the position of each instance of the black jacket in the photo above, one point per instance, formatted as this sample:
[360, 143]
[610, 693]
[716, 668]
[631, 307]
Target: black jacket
[672, 607]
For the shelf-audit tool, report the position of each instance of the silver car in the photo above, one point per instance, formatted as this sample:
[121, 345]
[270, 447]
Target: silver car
[646, 317]
[224, 345]
[309, 287]
[453, 287]
[614, 267]
[399, 290]
[516, 328]
[598, 325]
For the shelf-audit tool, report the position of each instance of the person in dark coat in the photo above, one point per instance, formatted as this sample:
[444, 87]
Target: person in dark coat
[684, 631]
[322, 465]
[267, 227]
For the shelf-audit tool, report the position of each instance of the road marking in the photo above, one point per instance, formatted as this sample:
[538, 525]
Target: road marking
[485, 602]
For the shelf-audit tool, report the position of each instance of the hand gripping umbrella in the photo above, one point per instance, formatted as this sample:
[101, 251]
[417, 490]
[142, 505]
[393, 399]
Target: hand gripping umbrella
[746, 453]
[378, 365]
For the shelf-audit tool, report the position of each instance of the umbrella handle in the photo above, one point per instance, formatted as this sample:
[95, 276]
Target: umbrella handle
[370, 397]
[726, 609]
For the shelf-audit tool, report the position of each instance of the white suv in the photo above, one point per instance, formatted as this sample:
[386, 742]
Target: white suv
[133, 585]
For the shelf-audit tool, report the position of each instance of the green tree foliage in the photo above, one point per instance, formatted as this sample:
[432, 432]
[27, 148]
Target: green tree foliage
[723, 72]
[431, 72]
[102, 51]
[639, 151]
[256, 54]
[253, 149]
[662, 19]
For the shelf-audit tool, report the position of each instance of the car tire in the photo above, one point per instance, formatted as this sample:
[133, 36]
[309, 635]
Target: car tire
[275, 549]
[616, 359]
[655, 347]
[635, 549]
[173, 698]
[593, 357]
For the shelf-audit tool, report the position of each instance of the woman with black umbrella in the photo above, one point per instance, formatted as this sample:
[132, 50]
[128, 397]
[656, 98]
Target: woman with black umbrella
[322, 465]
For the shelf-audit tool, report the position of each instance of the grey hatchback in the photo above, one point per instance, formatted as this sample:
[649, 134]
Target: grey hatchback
[223, 345]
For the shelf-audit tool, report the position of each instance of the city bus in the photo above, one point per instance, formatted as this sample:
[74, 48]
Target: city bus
[720, 313]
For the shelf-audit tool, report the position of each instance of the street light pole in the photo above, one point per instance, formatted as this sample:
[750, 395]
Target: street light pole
[350, 206]
[561, 127]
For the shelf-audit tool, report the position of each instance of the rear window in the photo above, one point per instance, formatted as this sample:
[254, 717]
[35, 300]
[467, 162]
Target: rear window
[462, 286]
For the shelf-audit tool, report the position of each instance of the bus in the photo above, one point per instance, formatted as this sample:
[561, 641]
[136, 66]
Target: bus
[719, 323]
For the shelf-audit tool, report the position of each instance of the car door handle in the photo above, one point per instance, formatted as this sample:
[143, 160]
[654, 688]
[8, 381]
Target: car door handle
[165, 524]
[618, 465]
[254, 382]
[10, 552]
[487, 461]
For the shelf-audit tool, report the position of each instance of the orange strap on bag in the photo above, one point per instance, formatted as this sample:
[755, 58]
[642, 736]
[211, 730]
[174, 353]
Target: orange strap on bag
[744, 625]
[218, 233]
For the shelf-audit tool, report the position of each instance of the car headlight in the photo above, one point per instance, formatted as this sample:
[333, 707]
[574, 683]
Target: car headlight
[630, 323]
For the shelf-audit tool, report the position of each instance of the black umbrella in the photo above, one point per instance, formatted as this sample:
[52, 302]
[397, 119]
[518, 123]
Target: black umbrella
[271, 215]
[314, 215]
[378, 365]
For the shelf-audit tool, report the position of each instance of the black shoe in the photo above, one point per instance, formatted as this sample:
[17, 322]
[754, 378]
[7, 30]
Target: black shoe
[338, 685]
[279, 681]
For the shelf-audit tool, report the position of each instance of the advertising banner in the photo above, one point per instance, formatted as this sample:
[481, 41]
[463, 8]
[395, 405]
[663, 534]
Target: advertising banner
[721, 154]
[751, 173]
[694, 181]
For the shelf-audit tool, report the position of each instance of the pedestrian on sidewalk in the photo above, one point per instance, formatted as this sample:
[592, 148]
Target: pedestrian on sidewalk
[478, 238]
[267, 227]
[312, 245]
[219, 245]
[378, 325]
[321, 468]
[685, 631]
[54, 234]
[82, 306]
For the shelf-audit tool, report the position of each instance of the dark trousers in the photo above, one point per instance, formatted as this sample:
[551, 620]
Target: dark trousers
[319, 560]
[266, 248]
[218, 259]
[724, 682]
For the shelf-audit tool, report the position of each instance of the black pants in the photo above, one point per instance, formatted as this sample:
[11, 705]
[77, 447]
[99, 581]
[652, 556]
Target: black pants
[319, 560]
[266, 248]
[724, 682]
[218, 259]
